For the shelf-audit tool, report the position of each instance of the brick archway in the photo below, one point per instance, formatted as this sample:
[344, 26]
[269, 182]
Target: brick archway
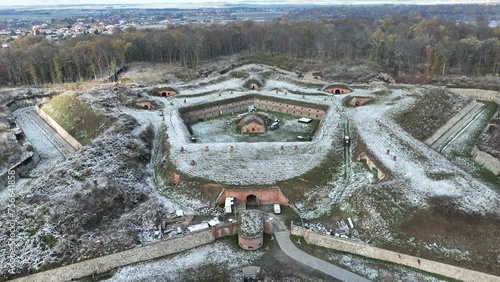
[222, 230]
[266, 195]
[252, 199]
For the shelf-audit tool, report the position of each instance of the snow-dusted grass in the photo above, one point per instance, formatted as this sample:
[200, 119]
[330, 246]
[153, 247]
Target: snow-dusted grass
[378, 271]
[224, 130]
[221, 254]
[415, 160]
[75, 202]
[267, 163]
[265, 160]
[67, 203]
[222, 86]
[431, 111]
[373, 270]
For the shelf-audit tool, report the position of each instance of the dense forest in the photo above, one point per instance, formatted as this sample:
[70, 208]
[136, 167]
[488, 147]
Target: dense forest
[403, 45]
[479, 13]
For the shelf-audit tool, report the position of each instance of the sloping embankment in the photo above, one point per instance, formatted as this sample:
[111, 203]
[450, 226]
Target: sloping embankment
[77, 117]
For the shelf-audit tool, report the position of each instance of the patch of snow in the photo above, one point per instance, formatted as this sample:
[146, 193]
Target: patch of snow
[415, 160]
[265, 161]
[219, 253]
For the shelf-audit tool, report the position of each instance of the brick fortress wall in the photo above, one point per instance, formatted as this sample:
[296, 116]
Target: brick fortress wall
[241, 104]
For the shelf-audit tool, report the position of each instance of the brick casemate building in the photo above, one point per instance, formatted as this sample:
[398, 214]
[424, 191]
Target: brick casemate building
[239, 104]
[147, 105]
[254, 83]
[252, 123]
[251, 229]
[337, 89]
[167, 92]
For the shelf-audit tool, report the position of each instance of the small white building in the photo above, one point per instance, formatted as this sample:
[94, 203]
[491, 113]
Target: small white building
[305, 120]
[198, 227]
[214, 222]
[228, 207]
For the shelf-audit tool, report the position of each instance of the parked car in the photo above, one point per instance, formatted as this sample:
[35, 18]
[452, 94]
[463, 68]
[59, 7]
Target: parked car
[347, 140]
[277, 209]
[275, 125]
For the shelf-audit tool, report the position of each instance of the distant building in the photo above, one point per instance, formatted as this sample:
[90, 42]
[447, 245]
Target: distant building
[337, 89]
[144, 104]
[167, 92]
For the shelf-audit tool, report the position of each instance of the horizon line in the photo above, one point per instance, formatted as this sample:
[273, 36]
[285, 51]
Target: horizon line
[225, 5]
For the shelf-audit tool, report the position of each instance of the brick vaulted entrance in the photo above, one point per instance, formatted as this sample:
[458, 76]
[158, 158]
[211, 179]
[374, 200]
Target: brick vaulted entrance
[251, 196]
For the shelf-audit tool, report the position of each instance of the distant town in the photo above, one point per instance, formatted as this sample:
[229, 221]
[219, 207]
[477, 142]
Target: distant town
[62, 24]
[59, 23]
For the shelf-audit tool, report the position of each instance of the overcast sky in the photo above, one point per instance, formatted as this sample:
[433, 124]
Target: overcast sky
[218, 3]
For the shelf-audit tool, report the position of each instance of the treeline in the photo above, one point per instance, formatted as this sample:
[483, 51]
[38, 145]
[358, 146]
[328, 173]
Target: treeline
[403, 45]
[479, 13]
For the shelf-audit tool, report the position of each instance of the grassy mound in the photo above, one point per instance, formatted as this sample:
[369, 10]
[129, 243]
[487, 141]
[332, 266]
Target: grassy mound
[238, 74]
[76, 117]
[430, 112]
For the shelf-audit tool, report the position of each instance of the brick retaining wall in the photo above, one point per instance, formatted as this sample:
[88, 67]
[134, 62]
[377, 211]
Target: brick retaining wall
[488, 95]
[488, 161]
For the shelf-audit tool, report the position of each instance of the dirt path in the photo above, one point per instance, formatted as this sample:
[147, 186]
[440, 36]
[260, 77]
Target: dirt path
[334, 271]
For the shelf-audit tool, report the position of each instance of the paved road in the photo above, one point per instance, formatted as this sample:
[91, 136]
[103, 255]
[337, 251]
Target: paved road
[456, 129]
[334, 271]
[45, 140]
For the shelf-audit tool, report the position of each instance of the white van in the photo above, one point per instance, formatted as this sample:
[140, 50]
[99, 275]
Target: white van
[277, 209]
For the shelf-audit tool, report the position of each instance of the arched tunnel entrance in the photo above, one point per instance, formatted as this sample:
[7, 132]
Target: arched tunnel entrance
[337, 91]
[252, 201]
